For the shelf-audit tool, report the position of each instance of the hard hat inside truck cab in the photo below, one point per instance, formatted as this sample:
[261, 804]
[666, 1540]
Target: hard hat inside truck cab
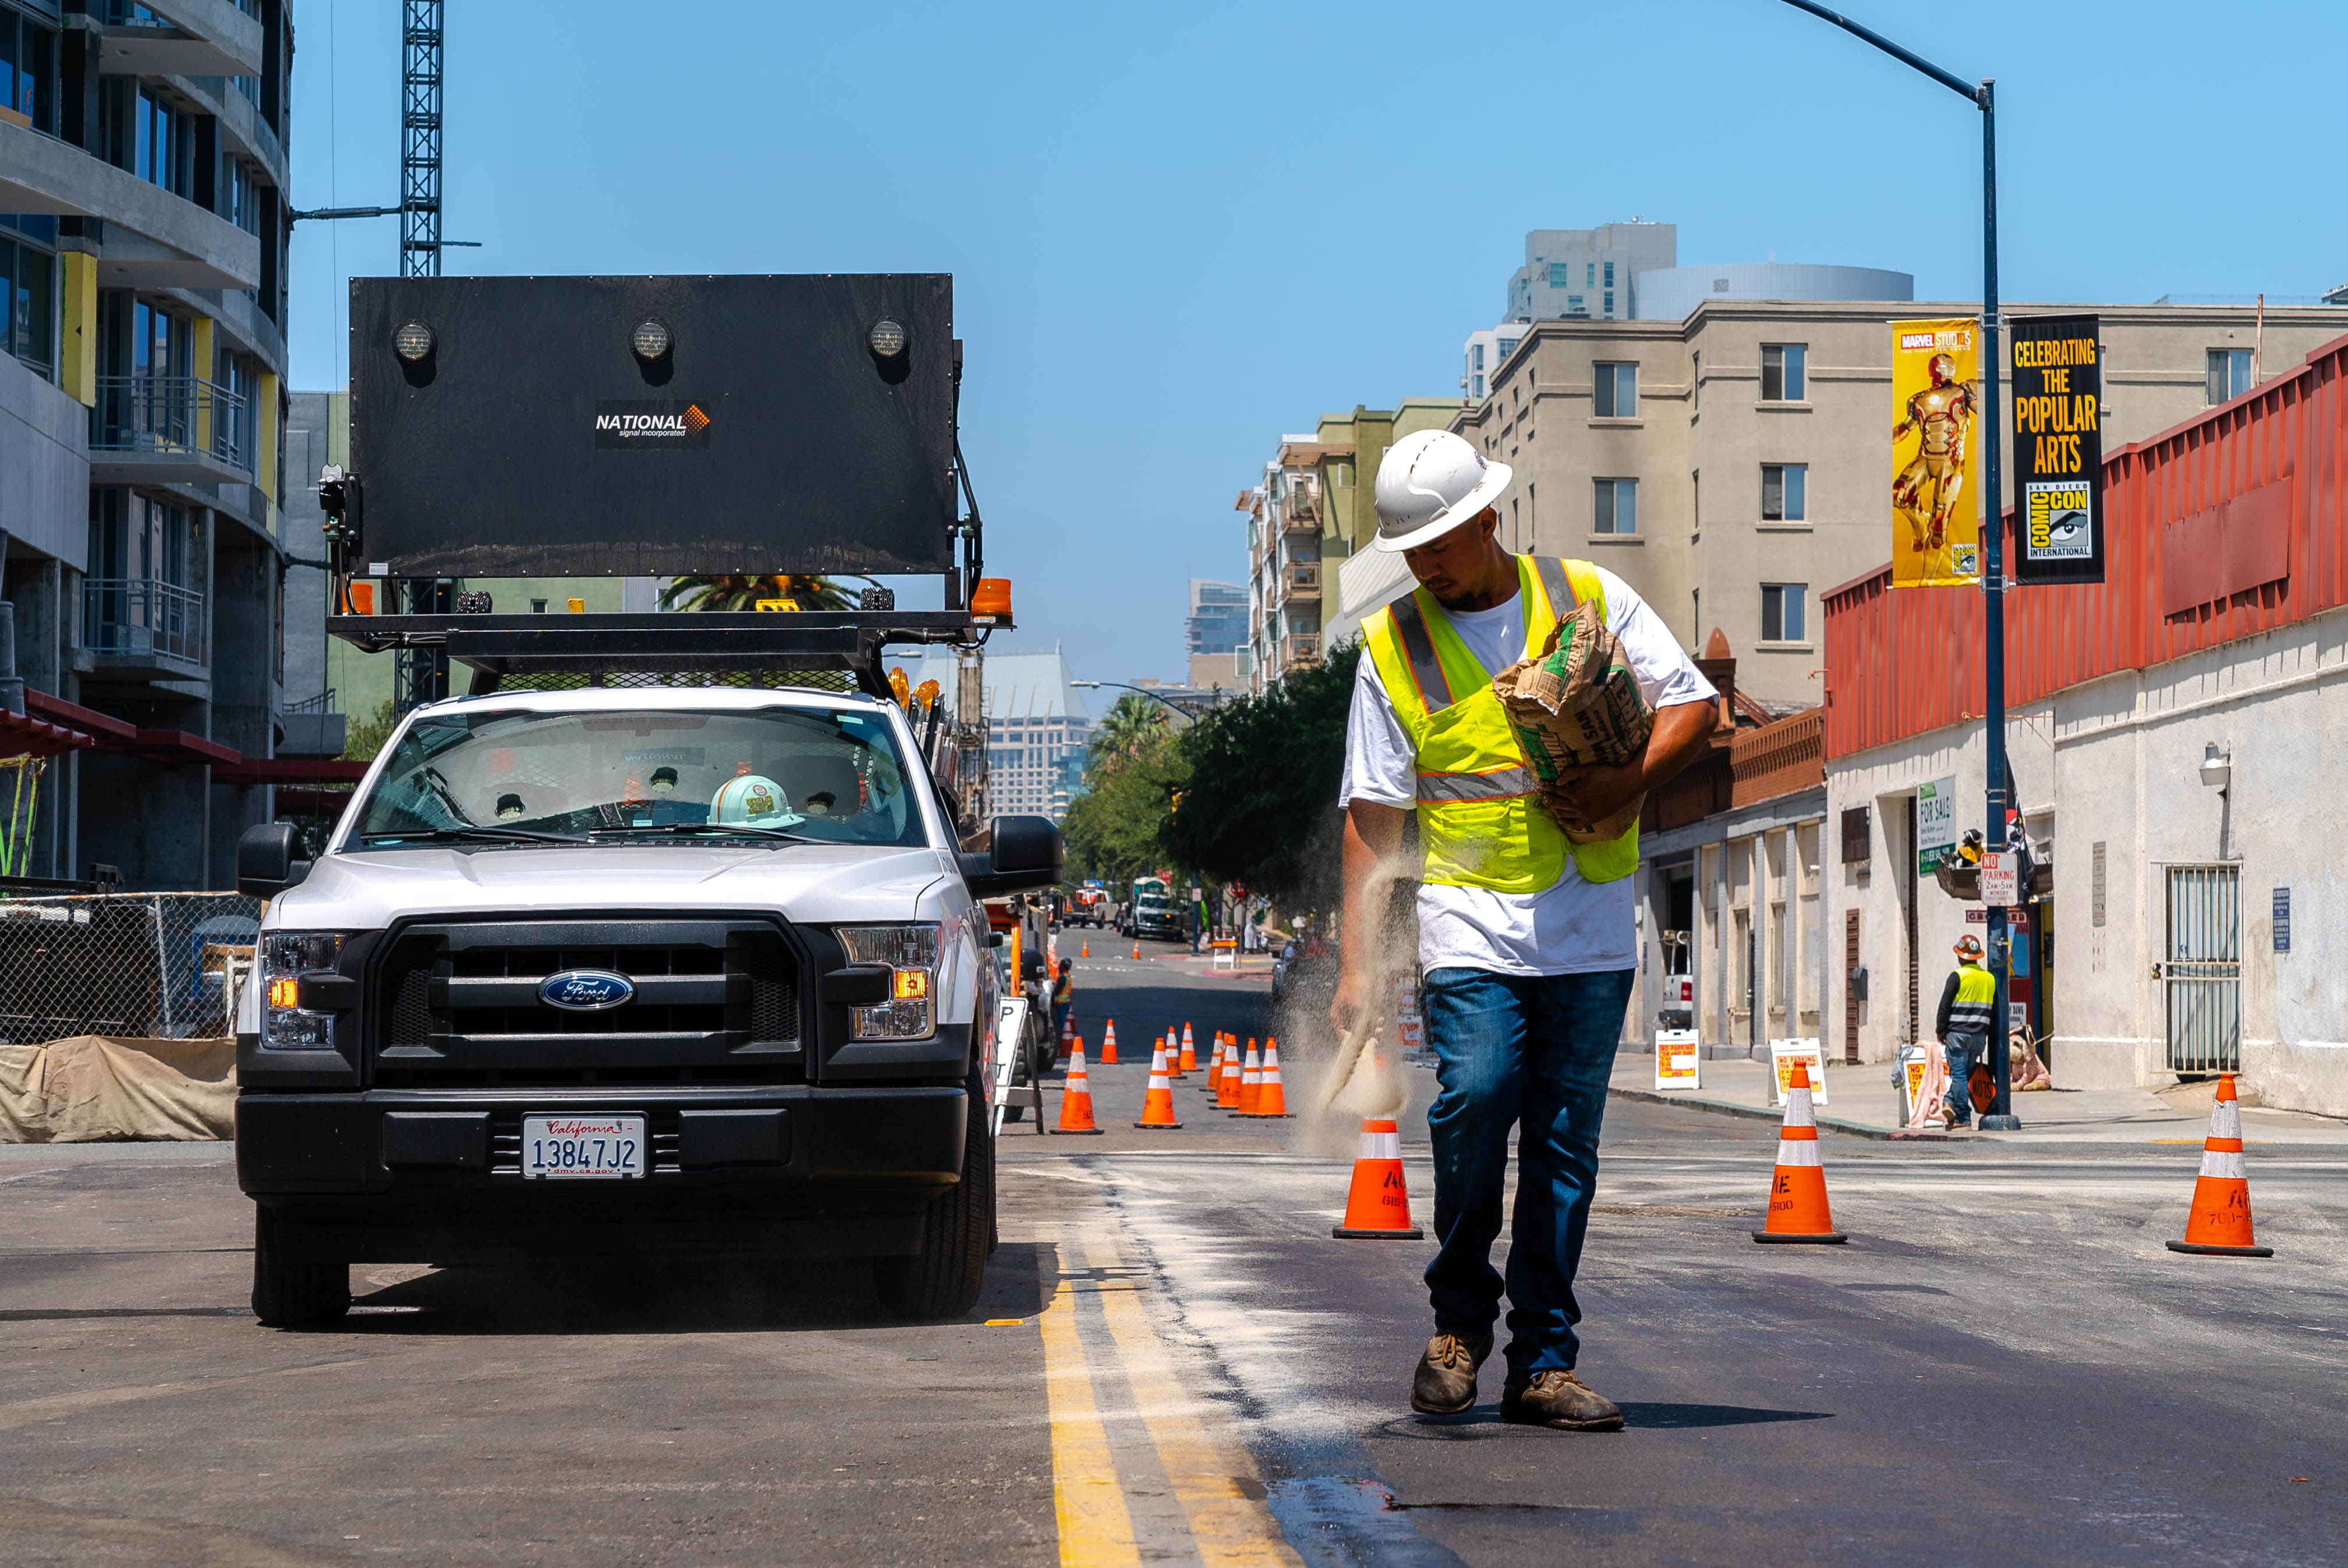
[1430, 482]
[753, 800]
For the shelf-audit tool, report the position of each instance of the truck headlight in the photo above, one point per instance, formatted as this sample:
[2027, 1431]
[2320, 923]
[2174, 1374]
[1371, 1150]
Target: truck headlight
[285, 958]
[912, 954]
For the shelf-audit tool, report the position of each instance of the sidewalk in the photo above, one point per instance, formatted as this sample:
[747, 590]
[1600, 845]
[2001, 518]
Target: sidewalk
[1862, 1102]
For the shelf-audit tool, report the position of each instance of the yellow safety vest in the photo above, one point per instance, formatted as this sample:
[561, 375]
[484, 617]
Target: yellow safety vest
[1480, 823]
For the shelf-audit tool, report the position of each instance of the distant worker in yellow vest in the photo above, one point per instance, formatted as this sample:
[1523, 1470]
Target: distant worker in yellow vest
[1527, 940]
[1964, 1026]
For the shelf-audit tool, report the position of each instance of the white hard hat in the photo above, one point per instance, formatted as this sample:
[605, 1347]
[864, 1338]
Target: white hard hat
[1430, 482]
[750, 800]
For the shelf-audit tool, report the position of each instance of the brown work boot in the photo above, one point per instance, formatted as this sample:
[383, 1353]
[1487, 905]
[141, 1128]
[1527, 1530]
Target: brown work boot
[1563, 1400]
[1445, 1383]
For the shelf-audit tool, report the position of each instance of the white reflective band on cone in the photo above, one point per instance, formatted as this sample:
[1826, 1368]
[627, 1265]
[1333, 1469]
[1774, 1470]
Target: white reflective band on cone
[2227, 1162]
[1796, 1151]
[1799, 1112]
[1381, 1145]
[2226, 1119]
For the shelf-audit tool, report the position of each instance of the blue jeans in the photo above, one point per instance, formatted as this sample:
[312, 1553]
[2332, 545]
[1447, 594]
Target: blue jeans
[1964, 1052]
[1536, 1049]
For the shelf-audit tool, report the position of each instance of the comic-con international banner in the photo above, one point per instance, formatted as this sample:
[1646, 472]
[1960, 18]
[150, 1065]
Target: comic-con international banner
[2058, 450]
[1936, 453]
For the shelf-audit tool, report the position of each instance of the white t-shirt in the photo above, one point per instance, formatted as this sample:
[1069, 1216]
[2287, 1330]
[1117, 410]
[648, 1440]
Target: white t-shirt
[1573, 926]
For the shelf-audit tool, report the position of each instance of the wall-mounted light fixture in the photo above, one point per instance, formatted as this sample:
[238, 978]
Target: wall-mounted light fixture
[2217, 768]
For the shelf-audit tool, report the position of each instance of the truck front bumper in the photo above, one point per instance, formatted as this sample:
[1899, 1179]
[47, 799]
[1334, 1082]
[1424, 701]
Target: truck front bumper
[435, 1176]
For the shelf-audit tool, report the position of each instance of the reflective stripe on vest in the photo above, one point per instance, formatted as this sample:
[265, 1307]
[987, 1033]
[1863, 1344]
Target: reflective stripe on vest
[1481, 823]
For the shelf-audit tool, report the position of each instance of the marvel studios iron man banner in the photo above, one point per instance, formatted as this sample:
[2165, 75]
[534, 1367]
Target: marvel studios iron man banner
[1936, 438]
[2058, 450]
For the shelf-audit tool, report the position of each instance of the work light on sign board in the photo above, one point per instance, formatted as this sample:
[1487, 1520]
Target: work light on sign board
[649, 340]
[888, 337]
[412, 341]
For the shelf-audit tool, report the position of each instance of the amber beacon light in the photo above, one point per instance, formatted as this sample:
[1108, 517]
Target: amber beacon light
[992, 597]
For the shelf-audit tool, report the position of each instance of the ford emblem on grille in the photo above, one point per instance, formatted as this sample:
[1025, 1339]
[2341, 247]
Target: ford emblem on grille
[585, 990]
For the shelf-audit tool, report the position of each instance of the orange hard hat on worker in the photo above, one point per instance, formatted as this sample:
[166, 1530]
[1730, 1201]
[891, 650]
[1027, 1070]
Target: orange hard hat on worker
[1968, 948]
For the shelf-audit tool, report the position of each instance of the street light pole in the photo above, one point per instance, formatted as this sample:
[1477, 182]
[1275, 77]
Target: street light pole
[1983, 96]
[1143, 690]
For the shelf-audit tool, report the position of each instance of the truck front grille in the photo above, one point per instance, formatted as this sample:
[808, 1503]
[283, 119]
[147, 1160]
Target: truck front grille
[715, 1001]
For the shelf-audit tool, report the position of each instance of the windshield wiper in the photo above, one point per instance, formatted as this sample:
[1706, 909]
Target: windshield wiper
[721, 830]
[473, 834]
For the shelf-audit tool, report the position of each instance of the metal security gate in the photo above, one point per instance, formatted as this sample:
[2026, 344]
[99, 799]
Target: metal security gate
[2203, 970]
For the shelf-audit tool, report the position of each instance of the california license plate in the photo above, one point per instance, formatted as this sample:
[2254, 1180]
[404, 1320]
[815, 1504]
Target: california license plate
[559, 1148]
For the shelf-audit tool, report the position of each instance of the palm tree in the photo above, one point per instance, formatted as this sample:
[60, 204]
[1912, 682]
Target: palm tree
[736, 591]
[1132, 723]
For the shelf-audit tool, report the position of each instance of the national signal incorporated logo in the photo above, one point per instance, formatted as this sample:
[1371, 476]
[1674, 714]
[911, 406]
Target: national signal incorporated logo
[647, 423]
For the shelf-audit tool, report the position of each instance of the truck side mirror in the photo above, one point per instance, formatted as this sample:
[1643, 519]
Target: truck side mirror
[265, 860]
[1023, 853]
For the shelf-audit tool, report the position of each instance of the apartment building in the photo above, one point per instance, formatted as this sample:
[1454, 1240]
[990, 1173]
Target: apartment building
[1733, 465]
[142, 178]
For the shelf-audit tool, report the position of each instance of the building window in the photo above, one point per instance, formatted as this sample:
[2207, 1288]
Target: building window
[1507, 347]
[1610, 304]
[1784, 377]
[241, 204]
[1781, 612]
[1610, 274]
[1590, 275]
[1479, 356]
[28, 292]
[1479, 386]
[28, 62]
[1618, 507]
[1782, 487]
[1560, 275]
[2229, 374]
[1615, 390]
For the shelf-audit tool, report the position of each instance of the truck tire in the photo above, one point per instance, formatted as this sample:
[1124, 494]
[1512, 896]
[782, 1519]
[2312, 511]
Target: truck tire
[300, 1280]
[944, 1279]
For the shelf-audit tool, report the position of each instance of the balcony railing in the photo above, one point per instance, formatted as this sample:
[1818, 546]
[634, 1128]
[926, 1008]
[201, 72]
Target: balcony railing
[1300, 582]
[1301, 509]
[1301, 648]
[171, 413]
[142, 617]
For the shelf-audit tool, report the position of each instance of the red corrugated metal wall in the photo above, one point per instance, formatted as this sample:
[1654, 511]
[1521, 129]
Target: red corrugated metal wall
[2232, 524]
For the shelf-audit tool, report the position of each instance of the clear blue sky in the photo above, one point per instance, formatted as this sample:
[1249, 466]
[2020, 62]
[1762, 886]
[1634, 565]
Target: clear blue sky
[1178, 232]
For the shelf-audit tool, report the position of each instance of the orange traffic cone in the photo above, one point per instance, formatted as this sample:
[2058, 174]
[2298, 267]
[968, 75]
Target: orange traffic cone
[1270, 1100]
[2220, 1220]
[1109, 1044]
[1173, 1056]
[1068, 1032]
[1214, 1067]
[1136, 949]
[1376, 1205]
[1158, 1104]
[1250, 1082]
[1076, 1097]
[1797, 1191]
[1190, 1058]
[1227, 1088]
[1086, 950]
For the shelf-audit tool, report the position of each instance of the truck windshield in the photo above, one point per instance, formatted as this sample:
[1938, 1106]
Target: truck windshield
[615, 777]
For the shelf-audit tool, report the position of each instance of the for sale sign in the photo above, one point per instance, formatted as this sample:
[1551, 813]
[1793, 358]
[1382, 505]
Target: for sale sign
[2058, 450]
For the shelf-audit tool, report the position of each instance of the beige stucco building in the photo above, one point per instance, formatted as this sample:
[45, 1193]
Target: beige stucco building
[1732, 466]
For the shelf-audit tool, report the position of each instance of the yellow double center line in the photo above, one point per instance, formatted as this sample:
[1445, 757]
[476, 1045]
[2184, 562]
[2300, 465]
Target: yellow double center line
[1137, 1468]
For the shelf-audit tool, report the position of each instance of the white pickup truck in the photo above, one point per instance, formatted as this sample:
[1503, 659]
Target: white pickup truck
[608, 972]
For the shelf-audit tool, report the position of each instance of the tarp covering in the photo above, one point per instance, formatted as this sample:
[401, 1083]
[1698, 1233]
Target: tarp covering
[91, 1087]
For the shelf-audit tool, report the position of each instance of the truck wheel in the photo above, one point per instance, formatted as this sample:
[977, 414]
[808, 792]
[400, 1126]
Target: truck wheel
[299, 1279]
[944, 1279]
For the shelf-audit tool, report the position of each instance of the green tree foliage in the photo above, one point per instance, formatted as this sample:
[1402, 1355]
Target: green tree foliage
[363, 738]
[1262, 775]
[743, 592]
[1132, 723]
[1114, 830]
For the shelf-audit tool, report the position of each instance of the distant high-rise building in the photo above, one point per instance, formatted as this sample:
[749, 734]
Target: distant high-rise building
[1217, 620]
[1589, 273]
[1037, 728]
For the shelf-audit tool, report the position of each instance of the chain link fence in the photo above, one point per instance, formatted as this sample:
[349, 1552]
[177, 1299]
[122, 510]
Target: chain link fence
[140, 965]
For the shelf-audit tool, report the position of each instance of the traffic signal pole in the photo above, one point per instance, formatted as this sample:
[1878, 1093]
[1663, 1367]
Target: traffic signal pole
[1983, 96]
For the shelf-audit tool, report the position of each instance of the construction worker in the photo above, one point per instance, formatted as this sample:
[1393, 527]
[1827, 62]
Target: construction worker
[1064, 995]
[1527, 939]
[1963, 1027]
